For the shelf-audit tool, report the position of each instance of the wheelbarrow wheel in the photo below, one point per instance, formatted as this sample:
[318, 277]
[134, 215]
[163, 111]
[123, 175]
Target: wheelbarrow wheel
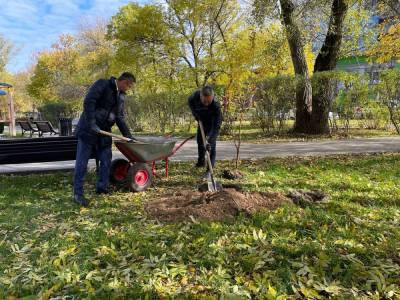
[140, 177]
[119, 171]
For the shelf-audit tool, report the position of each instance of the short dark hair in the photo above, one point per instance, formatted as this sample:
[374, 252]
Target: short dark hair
[127, 76]
[207, 91]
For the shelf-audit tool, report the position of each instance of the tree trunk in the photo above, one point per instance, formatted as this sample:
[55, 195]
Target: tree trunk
[304, 89]
[393, 119]
[303, 113]
[326, 61]
[322, 100]
[312, 110]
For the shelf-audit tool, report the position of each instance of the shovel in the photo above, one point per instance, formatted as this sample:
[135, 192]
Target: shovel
[119, 137]
[213, 185]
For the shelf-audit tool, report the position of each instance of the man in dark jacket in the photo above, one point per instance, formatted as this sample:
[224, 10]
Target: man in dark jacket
[102, 108]
[206, 109]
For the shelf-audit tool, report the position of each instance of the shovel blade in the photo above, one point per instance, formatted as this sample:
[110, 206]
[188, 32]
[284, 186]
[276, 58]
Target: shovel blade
[211, 187]
[214, 186]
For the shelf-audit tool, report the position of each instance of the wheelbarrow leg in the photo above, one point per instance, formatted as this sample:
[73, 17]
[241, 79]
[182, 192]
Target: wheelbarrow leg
[153, 168]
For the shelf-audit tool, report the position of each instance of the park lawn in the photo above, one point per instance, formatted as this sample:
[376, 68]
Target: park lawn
[348, 247]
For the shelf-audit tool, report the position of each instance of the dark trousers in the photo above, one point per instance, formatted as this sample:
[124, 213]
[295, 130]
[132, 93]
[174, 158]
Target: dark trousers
[84, 151]
[202, 151]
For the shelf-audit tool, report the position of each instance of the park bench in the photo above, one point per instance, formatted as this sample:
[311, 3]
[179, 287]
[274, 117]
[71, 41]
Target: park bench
[45, 127]
[26, 126]
[46, 149]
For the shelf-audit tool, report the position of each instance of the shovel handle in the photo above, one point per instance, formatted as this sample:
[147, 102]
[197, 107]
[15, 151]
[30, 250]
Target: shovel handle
[119, 137]
[203, 135]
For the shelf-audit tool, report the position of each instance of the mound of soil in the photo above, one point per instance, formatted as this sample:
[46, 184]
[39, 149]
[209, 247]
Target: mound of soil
[232, 175]
[221, 205]
[303, 198]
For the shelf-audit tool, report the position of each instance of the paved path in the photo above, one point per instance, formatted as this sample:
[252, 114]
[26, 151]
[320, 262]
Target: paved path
[226, 150]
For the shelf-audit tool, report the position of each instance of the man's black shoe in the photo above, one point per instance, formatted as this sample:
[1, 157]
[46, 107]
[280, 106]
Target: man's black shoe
[101, 191]
[200, 165]
[79, 199]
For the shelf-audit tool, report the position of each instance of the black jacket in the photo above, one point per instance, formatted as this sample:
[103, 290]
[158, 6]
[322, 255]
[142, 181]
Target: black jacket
[104, 107]
[210, 116]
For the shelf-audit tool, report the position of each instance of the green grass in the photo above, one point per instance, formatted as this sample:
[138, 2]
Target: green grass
[348, 247]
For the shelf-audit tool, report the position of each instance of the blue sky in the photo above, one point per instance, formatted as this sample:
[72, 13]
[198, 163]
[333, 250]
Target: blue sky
[33, 25]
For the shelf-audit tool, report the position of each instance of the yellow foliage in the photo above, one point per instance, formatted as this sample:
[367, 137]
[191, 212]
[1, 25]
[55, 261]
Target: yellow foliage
[254, 54]
[388, 47]
[22, 101]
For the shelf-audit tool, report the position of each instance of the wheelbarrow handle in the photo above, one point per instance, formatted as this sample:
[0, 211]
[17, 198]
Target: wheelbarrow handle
[119, 137]
[181, 144]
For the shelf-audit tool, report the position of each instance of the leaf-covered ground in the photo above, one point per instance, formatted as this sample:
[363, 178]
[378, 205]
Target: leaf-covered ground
[346, 248]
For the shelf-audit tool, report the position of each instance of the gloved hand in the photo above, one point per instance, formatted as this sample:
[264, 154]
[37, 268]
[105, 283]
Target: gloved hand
[208, 147]
[132, 139]
[95, 128]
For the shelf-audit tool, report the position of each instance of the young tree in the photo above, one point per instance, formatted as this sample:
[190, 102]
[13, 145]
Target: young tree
[243, 101]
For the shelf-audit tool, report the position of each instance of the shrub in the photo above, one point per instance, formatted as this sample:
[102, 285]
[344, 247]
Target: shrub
[274, 100]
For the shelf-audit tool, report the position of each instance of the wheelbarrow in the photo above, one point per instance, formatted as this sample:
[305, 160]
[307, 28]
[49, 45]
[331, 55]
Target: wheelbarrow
[138, 170]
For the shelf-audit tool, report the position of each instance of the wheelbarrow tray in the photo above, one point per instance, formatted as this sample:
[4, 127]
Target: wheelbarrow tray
[147, 149]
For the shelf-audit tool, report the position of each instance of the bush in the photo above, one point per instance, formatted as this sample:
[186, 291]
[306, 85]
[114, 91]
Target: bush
[158, 112]
[274, 101]
[52, 111]
[388, 95]
[374, 115]
[352, 98]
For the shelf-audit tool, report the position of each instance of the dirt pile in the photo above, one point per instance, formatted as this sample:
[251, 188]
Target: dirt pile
[303, 198]
[232, 175]
[222, 205]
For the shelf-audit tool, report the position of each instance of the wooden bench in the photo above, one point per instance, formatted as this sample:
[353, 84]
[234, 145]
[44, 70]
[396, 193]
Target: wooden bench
[33, 150]
[45, 127]
[27, 126]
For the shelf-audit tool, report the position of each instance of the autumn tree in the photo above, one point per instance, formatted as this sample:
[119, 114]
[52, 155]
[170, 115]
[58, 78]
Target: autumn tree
[64, 72]
[388, 46]
[5, 52]
[311, 108]
[55, 71]
[177, 40]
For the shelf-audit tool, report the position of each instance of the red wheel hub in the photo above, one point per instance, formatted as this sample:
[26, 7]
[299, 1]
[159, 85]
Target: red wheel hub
[141, 177]
[120, 172]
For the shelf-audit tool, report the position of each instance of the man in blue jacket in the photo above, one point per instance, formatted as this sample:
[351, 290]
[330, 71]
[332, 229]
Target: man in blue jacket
[102, 108]
[206, 109]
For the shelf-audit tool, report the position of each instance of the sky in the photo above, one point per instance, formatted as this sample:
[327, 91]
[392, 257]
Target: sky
[34, 25]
